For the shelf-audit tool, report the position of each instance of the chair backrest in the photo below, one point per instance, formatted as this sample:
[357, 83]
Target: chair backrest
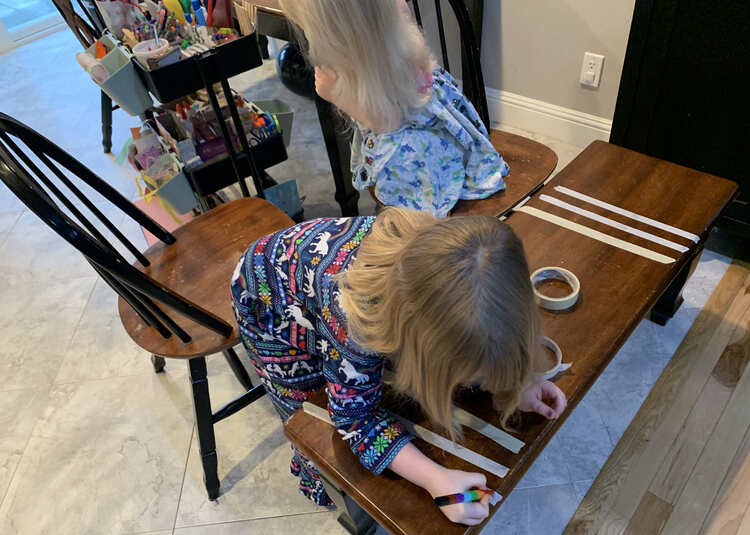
[26, 179]
[87, 31]
[470, 27]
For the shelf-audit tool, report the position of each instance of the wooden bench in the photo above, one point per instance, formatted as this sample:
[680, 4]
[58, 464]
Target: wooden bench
[618, 288]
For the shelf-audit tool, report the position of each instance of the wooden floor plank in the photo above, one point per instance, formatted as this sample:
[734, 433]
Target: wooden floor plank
[596, 512]
[745, 526]
[704, 350]
[695, 433]
[650, 516]
[694, 503]
[733, 499]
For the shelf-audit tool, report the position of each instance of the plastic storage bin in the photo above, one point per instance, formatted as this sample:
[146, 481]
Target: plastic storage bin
[182, 78]
[283, 113]
[178, 193]
[123, 86]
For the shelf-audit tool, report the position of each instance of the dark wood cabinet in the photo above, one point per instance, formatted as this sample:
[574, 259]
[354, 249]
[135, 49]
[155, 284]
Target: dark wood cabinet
[685, 91]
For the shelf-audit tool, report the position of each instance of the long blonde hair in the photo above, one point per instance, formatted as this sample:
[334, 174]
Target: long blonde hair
[449, 301]
[377, 50]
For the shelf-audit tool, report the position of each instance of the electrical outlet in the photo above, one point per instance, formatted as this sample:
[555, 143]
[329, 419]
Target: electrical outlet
[591, 70]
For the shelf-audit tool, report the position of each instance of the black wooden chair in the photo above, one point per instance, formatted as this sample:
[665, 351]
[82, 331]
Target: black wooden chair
[87, 32]
[531, 162]
[188, 272]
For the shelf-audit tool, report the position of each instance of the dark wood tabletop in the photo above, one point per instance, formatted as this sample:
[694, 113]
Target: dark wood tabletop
[617, 290]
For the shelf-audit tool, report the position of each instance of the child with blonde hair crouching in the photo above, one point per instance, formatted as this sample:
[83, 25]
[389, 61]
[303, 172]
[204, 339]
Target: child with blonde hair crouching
[418, 142]
[323, 303]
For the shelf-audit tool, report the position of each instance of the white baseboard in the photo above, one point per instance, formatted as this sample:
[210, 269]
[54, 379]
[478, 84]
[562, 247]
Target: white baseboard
[565, 124]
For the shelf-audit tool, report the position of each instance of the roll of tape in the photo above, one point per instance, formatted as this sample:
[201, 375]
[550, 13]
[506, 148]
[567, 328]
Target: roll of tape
[556, 273]
[560, 366]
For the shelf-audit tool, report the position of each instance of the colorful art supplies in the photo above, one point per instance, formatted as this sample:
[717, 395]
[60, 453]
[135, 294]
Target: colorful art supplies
[222, 14]
[101, 50]
[149, 49]
[463, 497]
[175, 7]
[210, 13]
[199, 13]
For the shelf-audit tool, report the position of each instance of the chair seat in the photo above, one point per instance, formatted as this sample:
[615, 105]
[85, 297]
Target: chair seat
[199, 267]
[531, 163]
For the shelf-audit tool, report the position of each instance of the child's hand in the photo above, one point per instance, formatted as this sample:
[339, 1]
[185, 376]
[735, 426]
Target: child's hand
[543, 398]
[325, 81]
[453, 481]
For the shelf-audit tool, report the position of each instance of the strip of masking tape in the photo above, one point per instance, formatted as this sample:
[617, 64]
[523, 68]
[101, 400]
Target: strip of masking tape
[612, 223]
[509, 442]
[629, 214]
[428, 436]
[596, 235]
[506, 440]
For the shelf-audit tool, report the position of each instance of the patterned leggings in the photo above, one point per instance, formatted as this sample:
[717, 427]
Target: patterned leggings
[287, 402]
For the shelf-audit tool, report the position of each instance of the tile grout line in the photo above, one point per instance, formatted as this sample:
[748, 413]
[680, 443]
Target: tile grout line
[253, 519]
[184, 475]
[75, 330]
[25, 446]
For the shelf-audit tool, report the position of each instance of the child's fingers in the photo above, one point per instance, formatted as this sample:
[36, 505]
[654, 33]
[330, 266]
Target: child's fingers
[540, 407]
[475, 481]
[555, 398]
[486, 499]
[476, 510]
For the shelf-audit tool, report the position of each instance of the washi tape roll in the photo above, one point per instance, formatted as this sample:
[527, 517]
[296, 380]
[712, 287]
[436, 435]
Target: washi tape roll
[559, 367]
[555, 273]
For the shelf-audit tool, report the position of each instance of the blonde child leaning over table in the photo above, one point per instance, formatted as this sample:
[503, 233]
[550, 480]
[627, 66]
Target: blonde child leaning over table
[418, 142]
[448, 301]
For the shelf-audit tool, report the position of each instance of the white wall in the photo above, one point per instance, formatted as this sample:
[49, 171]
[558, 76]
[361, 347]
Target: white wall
[535, 48]
[532, 52]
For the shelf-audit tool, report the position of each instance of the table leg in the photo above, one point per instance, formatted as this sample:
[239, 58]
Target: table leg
[353, 518]
[671, 299]
[339, 154]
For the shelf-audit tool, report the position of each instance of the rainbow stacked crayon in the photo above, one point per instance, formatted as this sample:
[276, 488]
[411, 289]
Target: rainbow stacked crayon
[462, 497]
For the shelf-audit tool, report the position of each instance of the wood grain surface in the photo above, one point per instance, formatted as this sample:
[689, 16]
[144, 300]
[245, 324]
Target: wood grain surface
[617, 290]
[686, 454]
[199, 267]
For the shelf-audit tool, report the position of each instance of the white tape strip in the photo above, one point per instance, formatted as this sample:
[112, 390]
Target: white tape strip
[451, 447]
[507, 441]
[428, 436]
[596, 235]
[628, 213]
[612, 223]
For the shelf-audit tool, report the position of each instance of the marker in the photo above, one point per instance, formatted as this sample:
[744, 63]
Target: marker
[463, 497]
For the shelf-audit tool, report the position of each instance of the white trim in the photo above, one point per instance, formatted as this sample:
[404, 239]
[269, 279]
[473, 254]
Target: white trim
[565, 124]
[6, 41]
[30, 32]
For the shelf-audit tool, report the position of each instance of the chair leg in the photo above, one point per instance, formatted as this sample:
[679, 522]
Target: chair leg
[158, 363]
[106, 123]
[238, 369]
[204, 423]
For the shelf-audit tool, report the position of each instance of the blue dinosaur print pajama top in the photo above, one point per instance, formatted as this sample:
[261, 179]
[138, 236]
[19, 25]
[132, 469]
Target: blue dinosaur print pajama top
[286, 303]
[441, 154]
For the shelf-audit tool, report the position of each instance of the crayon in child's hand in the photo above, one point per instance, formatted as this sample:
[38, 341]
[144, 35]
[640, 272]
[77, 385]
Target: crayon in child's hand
[462, 497]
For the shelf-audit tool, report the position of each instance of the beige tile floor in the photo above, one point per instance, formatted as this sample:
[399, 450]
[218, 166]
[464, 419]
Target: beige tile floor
[93, 442]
